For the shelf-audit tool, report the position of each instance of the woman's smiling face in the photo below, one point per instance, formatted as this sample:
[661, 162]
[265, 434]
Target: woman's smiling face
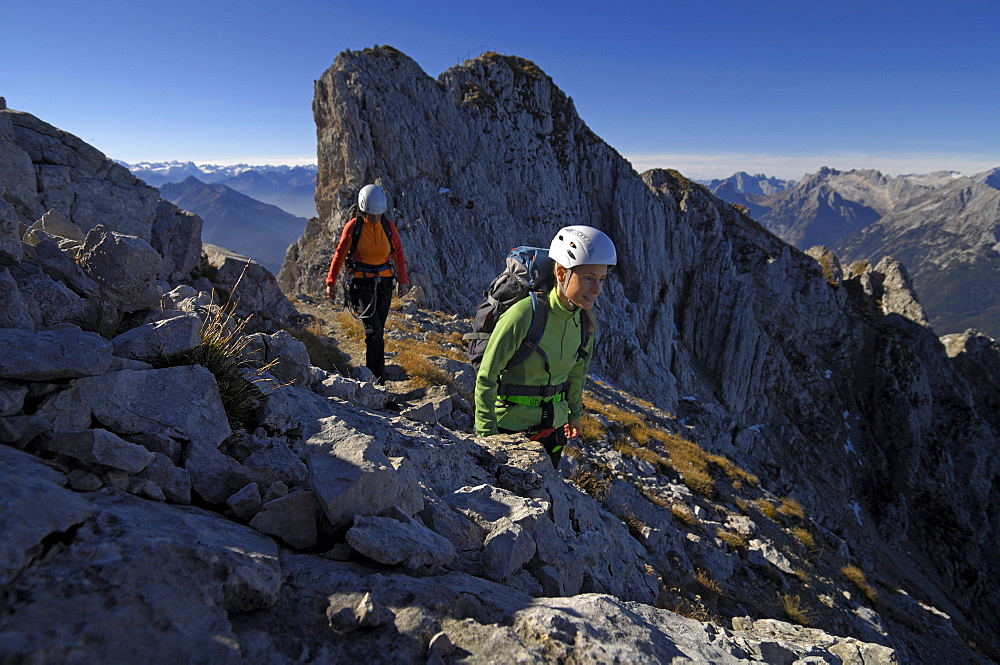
[585, 283]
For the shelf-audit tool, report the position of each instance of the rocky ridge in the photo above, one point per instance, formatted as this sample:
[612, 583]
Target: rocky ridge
[167, 495]
[272, 598]
[807, 374]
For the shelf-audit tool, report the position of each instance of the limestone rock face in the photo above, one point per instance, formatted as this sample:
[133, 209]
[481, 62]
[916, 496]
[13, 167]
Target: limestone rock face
[45, 168]
[821, 383]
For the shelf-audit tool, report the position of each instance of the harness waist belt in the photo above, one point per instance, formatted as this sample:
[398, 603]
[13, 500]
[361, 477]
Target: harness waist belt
[357, 266]
[533, 395]
[531, 401]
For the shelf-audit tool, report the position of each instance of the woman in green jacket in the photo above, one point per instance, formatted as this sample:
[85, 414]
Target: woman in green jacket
[543, 396]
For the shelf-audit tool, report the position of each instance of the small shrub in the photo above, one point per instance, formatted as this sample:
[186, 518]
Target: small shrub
[221, 353]
[742, 504]
[793, 610]
[801, 574]
[591, 481]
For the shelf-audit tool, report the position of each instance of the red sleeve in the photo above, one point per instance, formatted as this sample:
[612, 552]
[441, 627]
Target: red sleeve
[397, 255]
[340, 255]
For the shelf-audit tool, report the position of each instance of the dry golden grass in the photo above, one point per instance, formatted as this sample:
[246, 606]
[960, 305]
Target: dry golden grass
[707, 582]
[767, 509]
[692, 609]
[653, 497]
[420, 371]
[685, 457]
[322, 353]
[684, 514]
[792, 608]
[349, 326]
[635, 525]
[791, 508]
[805, 537]
[451, 345]
[856, 575]
[591, 428]
[735, 540]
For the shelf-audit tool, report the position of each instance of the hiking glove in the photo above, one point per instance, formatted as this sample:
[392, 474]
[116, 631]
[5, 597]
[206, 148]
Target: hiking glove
[403, 289]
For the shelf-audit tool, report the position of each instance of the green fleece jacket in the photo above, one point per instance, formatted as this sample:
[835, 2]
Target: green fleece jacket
[560, 341]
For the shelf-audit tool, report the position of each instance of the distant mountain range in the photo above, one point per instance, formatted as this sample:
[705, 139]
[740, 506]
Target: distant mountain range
[290, 188]
[943, 226]
[238, 222]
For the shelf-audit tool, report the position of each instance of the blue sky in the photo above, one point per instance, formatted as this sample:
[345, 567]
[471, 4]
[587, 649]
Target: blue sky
[707, 87]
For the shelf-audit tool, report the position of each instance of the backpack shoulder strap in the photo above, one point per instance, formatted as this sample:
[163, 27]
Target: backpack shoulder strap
[355, 235]
[388, 233]
[539, 317]
[587, 324]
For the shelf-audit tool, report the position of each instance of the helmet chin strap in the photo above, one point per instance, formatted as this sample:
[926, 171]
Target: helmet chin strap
[562, 290]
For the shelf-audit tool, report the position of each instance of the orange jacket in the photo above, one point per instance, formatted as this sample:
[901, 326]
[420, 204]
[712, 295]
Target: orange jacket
[373, 248]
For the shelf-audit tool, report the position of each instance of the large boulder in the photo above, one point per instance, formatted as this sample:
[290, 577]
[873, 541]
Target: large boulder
[60, 353]
[125, 266]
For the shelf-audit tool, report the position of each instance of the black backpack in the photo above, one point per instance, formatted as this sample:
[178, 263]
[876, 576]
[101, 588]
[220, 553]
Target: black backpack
[527, 274]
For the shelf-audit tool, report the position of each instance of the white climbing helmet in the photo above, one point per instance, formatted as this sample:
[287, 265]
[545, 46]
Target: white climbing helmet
[371, 199]
[582, 245]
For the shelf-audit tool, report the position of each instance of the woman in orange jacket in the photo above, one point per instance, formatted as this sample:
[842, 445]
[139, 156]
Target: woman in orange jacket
[370, 248]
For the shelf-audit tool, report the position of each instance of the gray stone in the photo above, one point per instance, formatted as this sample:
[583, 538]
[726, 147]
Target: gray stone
[161, 339]
[507, 548]
[60, 353]
[51, 302]
[289, 355]
[246, 502]
[180, 402]
[176, 236]
[214, 476]
[54, 224]
[58, 265]
[125, 266]
[399, 541]
[173, 481]
[33, 507]
[365, 394]
[14, 312]
[351, 475]
[11, 251]
[254, 289]
[11, 398]
[98, 446]
[276, 462]
[21, 430]
[291, 518]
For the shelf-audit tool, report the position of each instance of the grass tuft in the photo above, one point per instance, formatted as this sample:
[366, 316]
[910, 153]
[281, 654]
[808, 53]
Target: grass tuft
[793, 610]
[791, 508]
[735, 540]
[856, 575]
[805, 537]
